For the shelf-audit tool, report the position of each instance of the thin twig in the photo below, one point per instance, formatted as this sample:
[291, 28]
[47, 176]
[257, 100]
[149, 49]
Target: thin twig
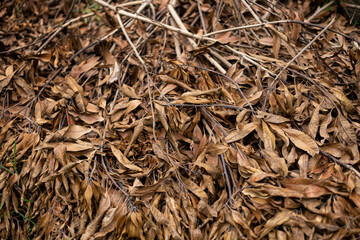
[254, 14]
[227, 78]
[70, 10]
[201, 16]
[192, 42]
[249, 59]
[123, 5]
[118, 185]
[26, 46]
[143, 5]
[206, 105]
[318, 11]
[325, 93]
[178, 30]
[270, 88]
[176, 41]
[147, 74]
[226, 175]
[348, 166]
[64, 25]
[204, 37]
[349, 5]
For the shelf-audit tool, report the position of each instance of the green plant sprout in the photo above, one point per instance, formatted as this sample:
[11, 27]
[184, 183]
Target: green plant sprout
[13, 162]
[22, 215]
[90, 7]
[28, 219]
[6, 214]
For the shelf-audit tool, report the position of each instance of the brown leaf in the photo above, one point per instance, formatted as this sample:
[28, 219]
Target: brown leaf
[277, 164]
[193, 187]
[70, 147]
[168, 79]
[193, 100]
[93, 225]
[161, 219]
[69, 166]
[85, 66]
[4, 80]
[88, 194]
[323, 127]
[114, 73]
[216, 149]
[88, 118]
[137, 130]
[302, 141]
[123, 160]
[161, 113]
[110, 220]
[346, 131]
[239, 219]
[240, 134]
[276, 45]
[277, 220]
[296, 28]
[25, 87]
[76, 131]
[314, 123]
[79, 93]
[343, 99]
[272, 118]
[311, 188]
[269, 137]
[129, 91]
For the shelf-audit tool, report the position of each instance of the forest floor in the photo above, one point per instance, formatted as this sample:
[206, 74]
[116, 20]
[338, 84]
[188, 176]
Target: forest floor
[189, 119]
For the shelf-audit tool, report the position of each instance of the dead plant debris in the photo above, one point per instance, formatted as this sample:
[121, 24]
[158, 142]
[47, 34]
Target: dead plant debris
[188, 119]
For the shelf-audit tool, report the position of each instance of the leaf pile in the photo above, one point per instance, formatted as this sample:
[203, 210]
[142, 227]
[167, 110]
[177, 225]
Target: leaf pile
[178, 120]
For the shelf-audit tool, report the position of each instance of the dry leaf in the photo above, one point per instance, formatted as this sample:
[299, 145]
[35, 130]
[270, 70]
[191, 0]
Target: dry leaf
[302, 141]
[123, 160]
[240, 134]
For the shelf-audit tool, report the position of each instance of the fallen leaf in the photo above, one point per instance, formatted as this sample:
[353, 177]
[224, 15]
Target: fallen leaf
[302, 141]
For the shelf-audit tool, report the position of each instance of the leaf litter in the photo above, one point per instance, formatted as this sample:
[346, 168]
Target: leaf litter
[178, 120]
